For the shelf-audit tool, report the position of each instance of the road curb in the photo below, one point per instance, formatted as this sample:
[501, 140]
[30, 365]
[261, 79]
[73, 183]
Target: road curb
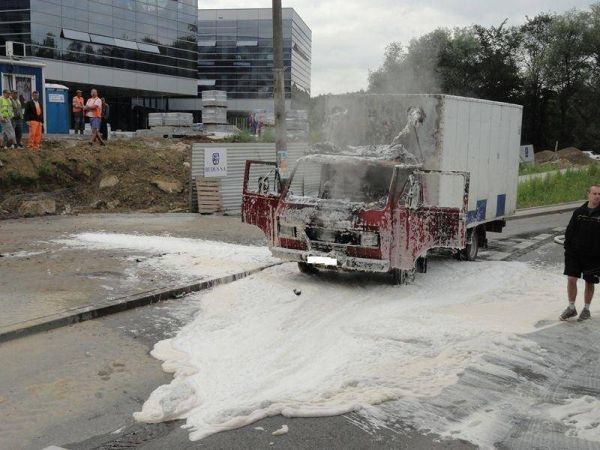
[77, 315]
[545, 210]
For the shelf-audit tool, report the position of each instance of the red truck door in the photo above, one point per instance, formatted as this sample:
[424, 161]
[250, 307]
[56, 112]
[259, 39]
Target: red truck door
[260, 195]
[433, 214]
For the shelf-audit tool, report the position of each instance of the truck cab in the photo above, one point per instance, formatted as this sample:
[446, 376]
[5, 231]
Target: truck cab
[357, 213]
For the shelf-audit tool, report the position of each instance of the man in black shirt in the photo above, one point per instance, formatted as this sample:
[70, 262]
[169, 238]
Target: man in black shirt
[582, 253]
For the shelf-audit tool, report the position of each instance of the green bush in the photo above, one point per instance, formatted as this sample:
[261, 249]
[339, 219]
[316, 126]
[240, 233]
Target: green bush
[241, 137]
[557, 188]
[268, 135]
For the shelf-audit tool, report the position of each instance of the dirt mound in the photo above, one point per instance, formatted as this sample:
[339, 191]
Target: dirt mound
[575, 156]
[545, 156]
[563, 159]
[120, 177]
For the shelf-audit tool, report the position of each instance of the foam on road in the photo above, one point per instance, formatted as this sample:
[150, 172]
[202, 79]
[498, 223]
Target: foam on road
[256, 349]
[189, 259]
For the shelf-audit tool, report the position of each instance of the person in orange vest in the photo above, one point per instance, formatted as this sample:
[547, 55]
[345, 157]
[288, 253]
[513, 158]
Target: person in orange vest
[34, 116]
[78, 120]
[93, 110]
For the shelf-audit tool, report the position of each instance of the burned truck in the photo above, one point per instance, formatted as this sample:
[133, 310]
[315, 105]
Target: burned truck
[442, 182]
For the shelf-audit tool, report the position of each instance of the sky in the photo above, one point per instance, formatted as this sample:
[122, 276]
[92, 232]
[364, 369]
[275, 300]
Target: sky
[349, 36]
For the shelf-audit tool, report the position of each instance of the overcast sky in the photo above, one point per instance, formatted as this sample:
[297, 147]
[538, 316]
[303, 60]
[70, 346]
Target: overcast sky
[349, 36]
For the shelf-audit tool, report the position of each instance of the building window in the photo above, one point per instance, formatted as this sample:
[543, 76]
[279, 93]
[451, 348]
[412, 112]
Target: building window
[75, 35]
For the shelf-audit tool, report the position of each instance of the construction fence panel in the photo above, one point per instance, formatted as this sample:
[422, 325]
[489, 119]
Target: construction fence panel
[230, 186]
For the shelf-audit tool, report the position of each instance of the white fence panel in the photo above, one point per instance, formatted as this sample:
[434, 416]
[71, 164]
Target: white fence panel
[237, 154]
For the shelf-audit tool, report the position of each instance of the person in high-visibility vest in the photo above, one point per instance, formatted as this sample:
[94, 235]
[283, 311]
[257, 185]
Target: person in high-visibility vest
[78, 119]
[6, 115]
[34, 115]
[93, 110]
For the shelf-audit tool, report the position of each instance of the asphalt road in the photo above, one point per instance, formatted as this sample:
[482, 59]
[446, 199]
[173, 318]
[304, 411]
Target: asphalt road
[77, 387]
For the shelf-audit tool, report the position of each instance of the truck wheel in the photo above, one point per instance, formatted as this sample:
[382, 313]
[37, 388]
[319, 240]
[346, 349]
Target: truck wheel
[401, 277]
[472, 248]
[307, 268]
[421, 265]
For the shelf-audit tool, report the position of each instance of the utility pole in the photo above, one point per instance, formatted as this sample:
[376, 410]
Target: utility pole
[279, 91]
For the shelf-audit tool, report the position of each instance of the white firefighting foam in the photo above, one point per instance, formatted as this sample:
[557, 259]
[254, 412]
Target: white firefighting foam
[581, 416]
[348, 342]
[186, 258]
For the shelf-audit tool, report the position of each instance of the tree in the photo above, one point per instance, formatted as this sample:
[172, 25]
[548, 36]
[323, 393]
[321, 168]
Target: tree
[567, 67]
[537, 92]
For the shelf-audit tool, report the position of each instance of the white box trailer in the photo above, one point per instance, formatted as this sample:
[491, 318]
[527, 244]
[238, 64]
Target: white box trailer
[477, 136]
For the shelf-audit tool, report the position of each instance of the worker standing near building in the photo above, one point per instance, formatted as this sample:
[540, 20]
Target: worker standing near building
[6, 116]
[93, 110]
[78, 119]
[17, 120]
[34, 116]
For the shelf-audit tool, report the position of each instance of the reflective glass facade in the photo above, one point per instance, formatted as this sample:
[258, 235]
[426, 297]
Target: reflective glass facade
[235, 53]
[156, 36]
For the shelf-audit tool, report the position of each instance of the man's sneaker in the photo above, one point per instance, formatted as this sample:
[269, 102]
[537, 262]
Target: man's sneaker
[568, 313]
[585, 315]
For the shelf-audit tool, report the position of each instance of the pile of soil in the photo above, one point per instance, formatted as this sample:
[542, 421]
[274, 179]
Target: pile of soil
[575, 156]
[565, 158]
[70, 176]
[545, 156]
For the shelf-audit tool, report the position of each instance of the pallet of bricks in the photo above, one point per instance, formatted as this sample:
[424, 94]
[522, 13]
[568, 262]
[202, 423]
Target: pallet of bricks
[209, 195]
[214, 110]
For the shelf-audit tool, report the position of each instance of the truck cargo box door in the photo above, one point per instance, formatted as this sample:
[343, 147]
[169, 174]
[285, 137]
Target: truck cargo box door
[260, 195]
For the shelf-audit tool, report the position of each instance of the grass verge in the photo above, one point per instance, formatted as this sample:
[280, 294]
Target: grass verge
[557, 188]
[528, 169]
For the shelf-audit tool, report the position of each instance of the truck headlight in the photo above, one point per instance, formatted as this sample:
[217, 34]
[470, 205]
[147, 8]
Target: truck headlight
[287, 230]
[369, 239]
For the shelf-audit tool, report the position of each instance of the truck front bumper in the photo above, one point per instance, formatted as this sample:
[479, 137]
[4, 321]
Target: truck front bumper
[343, 262]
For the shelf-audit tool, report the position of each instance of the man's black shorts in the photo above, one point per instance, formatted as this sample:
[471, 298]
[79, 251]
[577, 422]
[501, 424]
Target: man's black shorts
[589, 267]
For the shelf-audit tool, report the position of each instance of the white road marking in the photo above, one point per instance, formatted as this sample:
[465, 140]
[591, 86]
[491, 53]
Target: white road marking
[524, 245]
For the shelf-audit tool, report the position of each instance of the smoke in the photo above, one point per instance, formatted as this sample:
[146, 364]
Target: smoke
[412, 69]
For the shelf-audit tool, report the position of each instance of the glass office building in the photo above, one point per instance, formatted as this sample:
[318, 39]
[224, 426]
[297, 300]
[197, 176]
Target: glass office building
[138, 53]
[235, 54]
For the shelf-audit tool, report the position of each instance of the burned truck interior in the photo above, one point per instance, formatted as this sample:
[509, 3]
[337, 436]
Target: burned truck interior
[349, 180]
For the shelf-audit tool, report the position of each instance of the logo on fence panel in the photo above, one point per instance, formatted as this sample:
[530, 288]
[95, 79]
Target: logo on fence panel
[215, 162]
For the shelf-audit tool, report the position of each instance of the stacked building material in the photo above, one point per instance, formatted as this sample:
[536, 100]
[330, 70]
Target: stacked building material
[214, 107]
[170, 119]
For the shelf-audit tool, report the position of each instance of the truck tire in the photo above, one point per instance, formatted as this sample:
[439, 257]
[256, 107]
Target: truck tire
[469, 253]
[421, 265]
[400, 277]
[307, 268]
[472, 249]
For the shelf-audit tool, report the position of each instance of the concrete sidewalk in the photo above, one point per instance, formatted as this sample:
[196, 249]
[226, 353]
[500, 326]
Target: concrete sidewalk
[44, 282]
[545, 210]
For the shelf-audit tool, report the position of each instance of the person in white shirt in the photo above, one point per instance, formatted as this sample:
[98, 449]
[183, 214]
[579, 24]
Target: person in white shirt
[93, 110]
